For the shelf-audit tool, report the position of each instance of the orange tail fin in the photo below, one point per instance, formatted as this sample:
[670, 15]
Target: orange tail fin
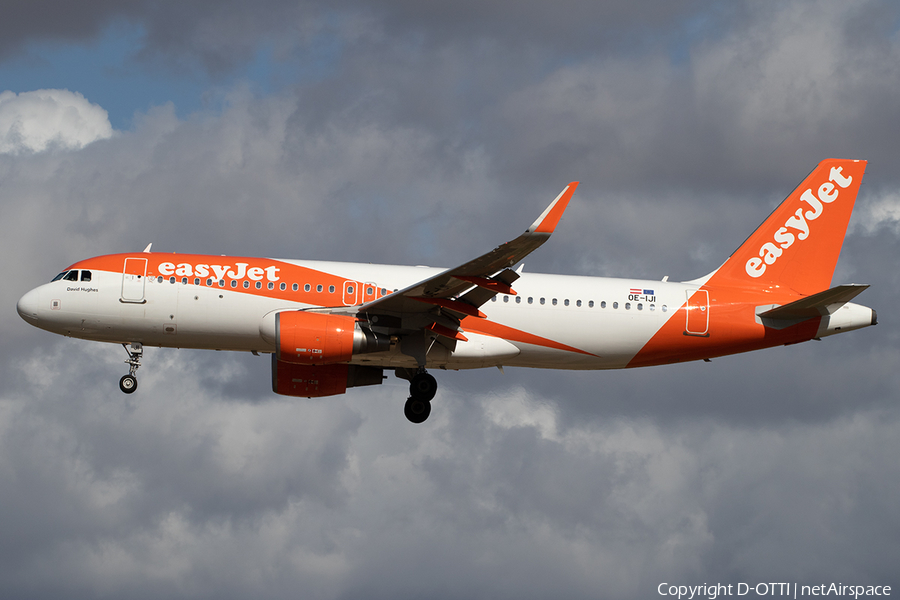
[798, 246]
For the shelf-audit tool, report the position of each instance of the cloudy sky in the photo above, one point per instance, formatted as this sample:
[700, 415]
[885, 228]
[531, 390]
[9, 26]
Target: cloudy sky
[426, 133]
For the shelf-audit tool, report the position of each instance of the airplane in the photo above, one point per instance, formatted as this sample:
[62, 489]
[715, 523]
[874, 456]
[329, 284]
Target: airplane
[330, 326]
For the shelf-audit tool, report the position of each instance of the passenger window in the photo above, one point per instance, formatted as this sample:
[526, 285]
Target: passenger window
[272, 285]
[602, 303]
[518, 299]
[172, 279]
[370, 291]
[306, 288]
[209, 281]
[591, 304]
[640, 306]
[283, 286]
[506, 298]
[530, 300]
[628, 306]
[71, 276]
[86, 276]
[319, 288]
[542, 301]
[652, 307]
[234, 283]
[383, 291]
[349, 289]
[259, 285]
[246, 284]
[566, 301]
[184, 280]
[296, 287]
[554, 302]
[664, 309]
[578, 303]
[494, 299]
[196, 281]
[615, 305]
[159, 279]
[330, 289]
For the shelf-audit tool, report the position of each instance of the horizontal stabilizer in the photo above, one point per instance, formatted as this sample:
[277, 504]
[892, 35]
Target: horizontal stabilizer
[817, 305]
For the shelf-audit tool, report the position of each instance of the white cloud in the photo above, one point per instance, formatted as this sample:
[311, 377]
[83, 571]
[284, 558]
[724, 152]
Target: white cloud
[45, 119]
[879, 212]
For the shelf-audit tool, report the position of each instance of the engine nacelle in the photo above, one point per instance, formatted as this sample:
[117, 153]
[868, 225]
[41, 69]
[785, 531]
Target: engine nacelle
[313, 381]
[307, 338]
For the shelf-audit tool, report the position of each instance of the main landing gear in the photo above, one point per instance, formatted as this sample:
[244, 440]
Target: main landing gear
[128, 383]
[422, 388]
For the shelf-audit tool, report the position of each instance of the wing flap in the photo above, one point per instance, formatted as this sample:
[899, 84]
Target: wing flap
[458, 306]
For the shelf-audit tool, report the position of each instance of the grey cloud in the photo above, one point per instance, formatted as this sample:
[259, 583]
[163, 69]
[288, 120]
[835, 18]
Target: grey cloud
[218, 36]
[773, 96]
[519, 508]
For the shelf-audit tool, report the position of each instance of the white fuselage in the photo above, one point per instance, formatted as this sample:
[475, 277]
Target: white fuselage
[553, 321]
[598, 316]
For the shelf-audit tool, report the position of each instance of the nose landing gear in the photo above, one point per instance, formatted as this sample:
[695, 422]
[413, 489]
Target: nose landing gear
[422, 388]
[128, 383]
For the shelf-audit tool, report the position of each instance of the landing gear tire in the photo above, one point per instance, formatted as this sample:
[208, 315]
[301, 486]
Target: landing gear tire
[416, 410]
[423, 387]
[128, 383]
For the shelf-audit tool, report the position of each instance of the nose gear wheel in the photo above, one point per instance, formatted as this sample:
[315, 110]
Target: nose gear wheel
[128, 383]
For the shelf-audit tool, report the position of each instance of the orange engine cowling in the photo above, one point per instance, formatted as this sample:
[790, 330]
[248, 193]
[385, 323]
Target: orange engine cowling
[313, 381]
[307, 338]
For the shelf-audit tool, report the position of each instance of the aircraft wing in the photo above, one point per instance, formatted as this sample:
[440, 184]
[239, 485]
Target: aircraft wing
[480, 278]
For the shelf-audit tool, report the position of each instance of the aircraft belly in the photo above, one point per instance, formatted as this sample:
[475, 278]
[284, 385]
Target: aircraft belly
[481, 351]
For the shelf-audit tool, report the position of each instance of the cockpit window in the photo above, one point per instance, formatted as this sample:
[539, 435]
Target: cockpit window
[85, 275]
[58, 277]
[71, 276]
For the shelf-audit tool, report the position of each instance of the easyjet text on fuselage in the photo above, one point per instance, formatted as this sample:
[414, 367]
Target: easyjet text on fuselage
[238, 271]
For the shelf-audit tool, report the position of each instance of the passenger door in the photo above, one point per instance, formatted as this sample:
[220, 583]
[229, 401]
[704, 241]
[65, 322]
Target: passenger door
[134, 276]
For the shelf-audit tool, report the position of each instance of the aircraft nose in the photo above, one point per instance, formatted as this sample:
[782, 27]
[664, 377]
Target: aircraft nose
[28, 305]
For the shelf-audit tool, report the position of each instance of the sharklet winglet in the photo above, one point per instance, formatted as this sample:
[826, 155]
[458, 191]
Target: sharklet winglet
[548, 220]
